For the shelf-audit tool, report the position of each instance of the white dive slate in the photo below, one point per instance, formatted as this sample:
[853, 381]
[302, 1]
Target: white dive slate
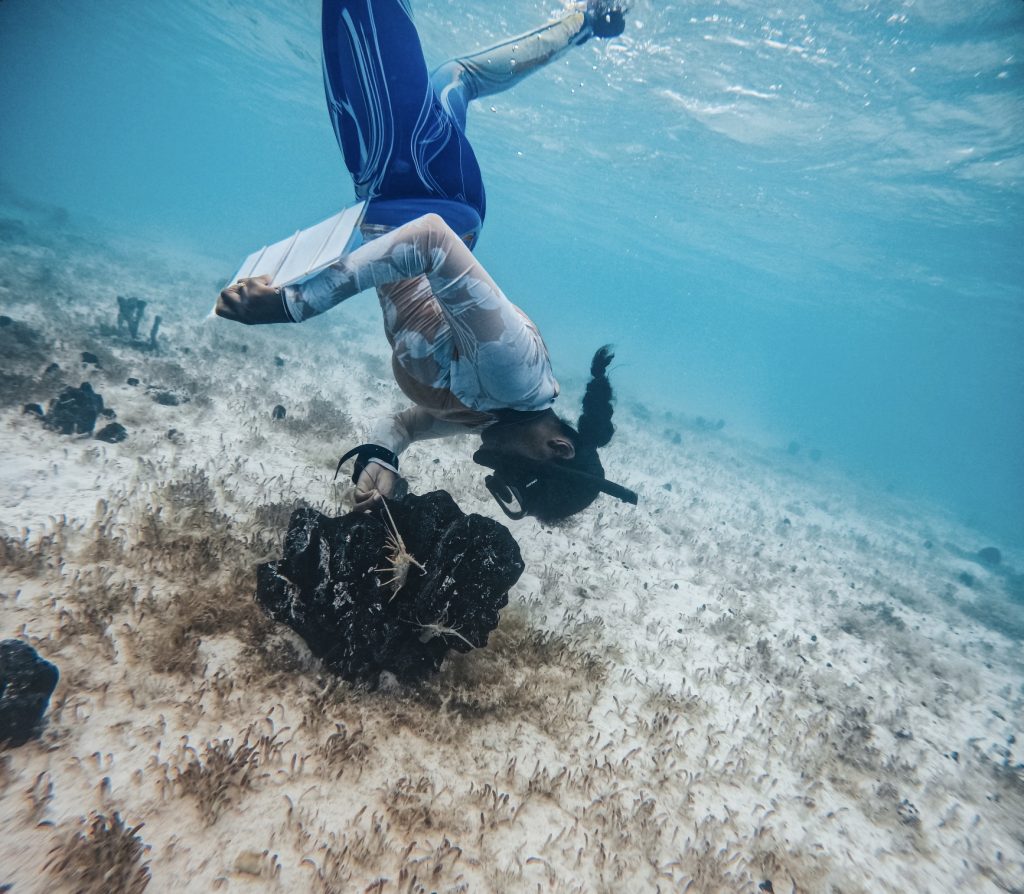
[308, 251]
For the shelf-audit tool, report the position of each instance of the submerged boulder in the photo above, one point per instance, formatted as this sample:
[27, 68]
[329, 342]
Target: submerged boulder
[74, 410]
[113, 433]
[26, 684]
[167, 398]
[989, 555]
[339, 586]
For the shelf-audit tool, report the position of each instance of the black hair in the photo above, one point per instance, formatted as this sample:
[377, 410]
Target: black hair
[560, 497]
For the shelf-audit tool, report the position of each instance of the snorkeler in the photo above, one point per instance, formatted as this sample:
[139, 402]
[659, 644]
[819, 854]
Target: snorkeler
[469, 359]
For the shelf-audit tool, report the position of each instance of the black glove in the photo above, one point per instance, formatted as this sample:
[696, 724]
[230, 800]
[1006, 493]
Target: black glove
[367, 453]
[363, 454]
[606, 18]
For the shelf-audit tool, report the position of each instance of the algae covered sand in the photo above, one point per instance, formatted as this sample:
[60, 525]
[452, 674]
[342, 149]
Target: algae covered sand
[761, 679]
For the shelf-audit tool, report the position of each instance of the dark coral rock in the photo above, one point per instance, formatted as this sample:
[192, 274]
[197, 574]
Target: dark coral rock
[108, 413]
[74, 410]
[155, 331]
[112, 434]
[5, 320]
[333, 586]
[34, 409]
[279, 361]
[990, 555]
[90, 357]
[26, 684]
[133, 381]
[52, 370]
[278, 412]
[165, 398]
[130, 312]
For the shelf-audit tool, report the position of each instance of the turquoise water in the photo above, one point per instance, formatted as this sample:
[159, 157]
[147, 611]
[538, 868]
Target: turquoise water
[805, 219]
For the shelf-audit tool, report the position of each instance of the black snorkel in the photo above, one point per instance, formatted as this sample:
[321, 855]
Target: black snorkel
[514, 476]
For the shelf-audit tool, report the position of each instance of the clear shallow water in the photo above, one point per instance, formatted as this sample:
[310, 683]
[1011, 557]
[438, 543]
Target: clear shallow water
[806, 220]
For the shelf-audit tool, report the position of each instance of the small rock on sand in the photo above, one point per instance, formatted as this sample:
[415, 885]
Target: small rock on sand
[26, 684]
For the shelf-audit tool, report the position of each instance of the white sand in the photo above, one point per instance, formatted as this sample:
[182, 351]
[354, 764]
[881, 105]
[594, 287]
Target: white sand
[761, 673]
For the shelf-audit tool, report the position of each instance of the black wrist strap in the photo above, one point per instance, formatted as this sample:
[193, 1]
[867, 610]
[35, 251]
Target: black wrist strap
[363, 454]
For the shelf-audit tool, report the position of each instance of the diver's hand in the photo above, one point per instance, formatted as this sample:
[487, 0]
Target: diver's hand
[606, 18]
[252, 301]
[374, 482]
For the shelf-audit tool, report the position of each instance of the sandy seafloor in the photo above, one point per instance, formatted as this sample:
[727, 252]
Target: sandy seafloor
[764, 673]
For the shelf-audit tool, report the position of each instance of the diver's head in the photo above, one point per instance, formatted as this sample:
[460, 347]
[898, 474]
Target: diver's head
[542, 465]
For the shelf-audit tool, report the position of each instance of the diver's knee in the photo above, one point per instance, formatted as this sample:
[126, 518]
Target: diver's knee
[435, 224]
[446, 74]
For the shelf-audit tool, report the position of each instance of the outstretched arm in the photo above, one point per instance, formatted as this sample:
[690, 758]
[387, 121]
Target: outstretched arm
[426, 246]
[499, 348]
[414, 424]
[395, 433]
